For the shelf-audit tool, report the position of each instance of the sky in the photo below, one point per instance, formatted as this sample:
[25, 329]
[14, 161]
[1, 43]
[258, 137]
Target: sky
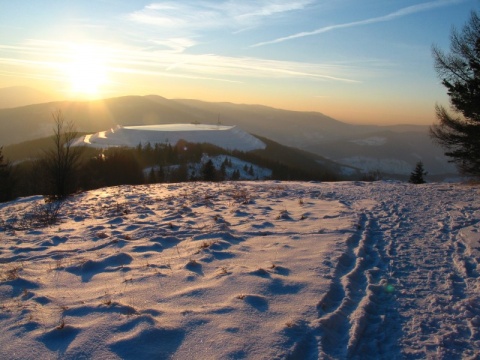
[366, 61]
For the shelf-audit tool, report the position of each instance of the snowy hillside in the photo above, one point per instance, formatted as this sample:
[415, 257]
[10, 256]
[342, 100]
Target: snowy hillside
[226, 137]
[249, 270]
[246, 170]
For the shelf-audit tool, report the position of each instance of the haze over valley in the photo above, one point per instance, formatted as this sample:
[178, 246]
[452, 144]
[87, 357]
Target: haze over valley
[388, 149]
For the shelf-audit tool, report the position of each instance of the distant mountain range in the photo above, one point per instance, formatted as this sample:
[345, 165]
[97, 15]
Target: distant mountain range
[388, 149]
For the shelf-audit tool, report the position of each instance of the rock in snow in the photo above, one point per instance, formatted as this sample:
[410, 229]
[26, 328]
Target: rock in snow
[254, 270]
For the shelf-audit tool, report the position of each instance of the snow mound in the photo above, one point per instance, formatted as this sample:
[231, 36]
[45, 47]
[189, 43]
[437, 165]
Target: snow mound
[227, 137]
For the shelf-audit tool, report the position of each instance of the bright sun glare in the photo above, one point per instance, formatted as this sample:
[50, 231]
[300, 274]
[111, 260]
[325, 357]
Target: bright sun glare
[86, 71]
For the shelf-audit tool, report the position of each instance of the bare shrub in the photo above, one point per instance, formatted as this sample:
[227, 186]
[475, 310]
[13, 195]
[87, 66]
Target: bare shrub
[241, 195]
[10, 274]
[44, 215]
[39, 215]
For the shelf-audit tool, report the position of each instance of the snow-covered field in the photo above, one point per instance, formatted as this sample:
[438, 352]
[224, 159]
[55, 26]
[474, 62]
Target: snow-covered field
[254, 270]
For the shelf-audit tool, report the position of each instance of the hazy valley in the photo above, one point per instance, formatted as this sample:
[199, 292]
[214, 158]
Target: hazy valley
[391, 150]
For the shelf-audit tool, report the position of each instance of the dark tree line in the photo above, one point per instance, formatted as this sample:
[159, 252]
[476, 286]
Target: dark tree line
[116, 166]
[56, 176]
[65, 168]
[8, 180]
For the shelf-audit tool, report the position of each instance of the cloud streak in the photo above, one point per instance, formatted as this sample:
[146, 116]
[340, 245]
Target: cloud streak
[394, 15]
[206, 15]
[121, 59]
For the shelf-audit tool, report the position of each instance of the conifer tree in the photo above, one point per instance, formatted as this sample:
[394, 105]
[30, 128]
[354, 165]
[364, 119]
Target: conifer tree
[223, 171]
[152, 178]
[459, 70]
[209, 171]
[161, 174]
[236, 174]
[416, 177]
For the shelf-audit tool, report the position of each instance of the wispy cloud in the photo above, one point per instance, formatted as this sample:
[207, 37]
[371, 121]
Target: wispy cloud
[195, 17]
[391, 16]
[258, 10]
[207, 14]
[176, 15]
[53, 56]
[176, 44]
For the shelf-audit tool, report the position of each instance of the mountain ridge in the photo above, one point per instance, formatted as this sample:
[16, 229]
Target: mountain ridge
[310, 131]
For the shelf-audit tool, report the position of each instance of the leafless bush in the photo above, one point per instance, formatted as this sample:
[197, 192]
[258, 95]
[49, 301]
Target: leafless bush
[39, 215]
[46, 214]
[241, 195]
[116, 209]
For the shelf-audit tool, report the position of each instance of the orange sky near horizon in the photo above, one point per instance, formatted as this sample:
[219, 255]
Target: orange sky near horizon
[364, 63]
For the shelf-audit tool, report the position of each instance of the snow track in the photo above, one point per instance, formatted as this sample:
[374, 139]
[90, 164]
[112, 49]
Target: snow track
[356, 317]
[431, 279]
[406, 287]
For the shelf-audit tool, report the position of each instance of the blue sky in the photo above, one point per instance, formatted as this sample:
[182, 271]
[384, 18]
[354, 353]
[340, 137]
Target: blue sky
[363, 61]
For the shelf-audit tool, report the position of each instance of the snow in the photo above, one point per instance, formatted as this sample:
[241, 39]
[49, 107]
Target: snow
[388, 165]
[227, 137]
[237, 164]
[180, 127]
[371, 141]
[255, 270]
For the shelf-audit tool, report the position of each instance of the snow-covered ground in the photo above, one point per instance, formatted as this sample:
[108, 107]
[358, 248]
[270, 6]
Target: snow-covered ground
[227, 137]
[254, 270]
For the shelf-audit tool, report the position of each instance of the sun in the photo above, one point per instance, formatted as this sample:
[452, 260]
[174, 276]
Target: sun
[86, 71]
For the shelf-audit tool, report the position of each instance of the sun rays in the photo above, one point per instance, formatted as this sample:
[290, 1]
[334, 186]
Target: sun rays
[86, 71]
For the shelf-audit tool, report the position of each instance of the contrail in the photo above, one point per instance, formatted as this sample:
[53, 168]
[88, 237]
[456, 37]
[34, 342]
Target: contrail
[399, 13]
